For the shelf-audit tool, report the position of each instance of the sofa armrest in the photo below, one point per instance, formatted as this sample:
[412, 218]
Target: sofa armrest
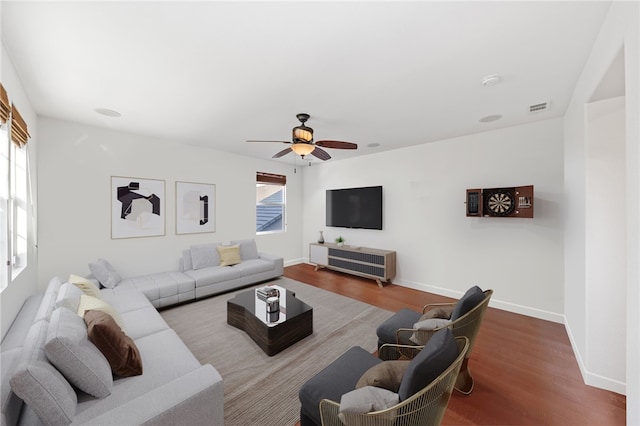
[277, 260]
[195, 398]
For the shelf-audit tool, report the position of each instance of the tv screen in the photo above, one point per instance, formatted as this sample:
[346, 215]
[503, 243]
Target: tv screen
[355, 207]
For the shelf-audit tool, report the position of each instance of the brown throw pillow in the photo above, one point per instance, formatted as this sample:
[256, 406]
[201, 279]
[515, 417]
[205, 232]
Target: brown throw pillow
[386, 375]
[119, 349]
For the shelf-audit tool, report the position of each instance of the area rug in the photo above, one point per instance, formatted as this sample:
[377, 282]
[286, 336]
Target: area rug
[263, 390]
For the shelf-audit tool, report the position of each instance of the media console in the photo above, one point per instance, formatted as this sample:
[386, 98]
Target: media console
[379, 265]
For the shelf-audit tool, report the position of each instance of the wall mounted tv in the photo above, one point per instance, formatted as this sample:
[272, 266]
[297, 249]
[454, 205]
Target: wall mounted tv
[355, 207]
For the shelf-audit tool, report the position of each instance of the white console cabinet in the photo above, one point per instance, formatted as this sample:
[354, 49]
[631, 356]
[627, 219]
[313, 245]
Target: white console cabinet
[379, 265]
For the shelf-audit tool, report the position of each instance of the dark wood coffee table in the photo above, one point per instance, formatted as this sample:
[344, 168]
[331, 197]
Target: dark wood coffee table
[272, 332]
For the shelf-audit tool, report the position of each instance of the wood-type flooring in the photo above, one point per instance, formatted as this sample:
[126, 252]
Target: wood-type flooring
[524, 368]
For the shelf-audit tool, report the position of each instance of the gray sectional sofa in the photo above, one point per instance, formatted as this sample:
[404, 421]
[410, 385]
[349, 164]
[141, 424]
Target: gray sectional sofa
[202, 264]
[201, 275]
[173, 389]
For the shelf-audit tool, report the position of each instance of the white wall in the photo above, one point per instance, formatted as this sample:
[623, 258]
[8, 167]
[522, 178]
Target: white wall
[605, 240]
[438, 248]
[76, 164]
[26, 283]
[620, 30]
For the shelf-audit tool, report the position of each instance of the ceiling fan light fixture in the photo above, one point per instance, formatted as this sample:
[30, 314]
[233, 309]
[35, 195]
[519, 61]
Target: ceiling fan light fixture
[302, 148]
[302, 134]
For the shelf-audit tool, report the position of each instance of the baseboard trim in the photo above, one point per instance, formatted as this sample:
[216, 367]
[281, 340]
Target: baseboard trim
[589, 378]
[495, 302]
[295, 261]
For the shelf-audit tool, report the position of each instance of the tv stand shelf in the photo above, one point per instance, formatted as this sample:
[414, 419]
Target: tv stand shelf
[379, 265]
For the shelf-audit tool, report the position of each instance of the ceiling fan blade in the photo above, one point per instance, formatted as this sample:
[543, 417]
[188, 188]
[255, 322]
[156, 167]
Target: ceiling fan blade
[283, 152]
[337, 144]
[321, 154]
[267, 141]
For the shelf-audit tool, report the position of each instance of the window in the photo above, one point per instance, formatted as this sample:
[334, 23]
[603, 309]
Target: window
[14, 211]
[4, 205]
[270, 203]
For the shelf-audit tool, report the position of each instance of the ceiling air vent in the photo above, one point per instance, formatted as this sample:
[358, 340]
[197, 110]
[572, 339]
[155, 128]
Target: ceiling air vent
[539, 107]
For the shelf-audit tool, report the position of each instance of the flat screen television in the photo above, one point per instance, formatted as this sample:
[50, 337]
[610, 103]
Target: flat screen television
[355, 207]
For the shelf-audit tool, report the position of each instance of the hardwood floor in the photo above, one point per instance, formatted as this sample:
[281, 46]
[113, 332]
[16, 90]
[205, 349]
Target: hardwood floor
[524, 368]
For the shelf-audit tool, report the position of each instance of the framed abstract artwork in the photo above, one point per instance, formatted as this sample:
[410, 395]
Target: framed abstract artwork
[195, 207]
[137, 207]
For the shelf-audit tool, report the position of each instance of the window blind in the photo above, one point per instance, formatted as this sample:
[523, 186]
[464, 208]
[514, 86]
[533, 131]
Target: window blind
[5, 107]
[271, 178]
[19, 131]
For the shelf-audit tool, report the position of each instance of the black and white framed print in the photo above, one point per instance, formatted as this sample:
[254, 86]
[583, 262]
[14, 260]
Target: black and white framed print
[195, 207]
[137, 207]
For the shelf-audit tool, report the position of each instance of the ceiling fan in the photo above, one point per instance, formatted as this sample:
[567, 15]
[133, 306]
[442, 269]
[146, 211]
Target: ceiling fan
[302, 142]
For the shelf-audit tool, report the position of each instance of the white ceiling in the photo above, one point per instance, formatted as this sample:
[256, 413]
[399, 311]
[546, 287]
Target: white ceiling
[215, 73]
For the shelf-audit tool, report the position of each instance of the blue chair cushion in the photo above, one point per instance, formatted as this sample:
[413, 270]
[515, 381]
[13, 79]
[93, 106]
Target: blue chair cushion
[404, 318]
[470, 300]
[437, 355]
[335, 380]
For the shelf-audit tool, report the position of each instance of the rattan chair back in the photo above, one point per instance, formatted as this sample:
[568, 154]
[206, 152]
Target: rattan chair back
[467, 325]
[426, 407]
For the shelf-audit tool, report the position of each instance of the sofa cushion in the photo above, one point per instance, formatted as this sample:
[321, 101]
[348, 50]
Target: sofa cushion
[48, 303]
[69, 297]
[387, 375]
[468, 301]
[213, 275]
[105, 273]
[254, 266]
[118, 348]
[229, 255]
[93, 303]
[437, 355]
[204, 255]
[124, 299]
[85, 285]
[248, 249]
[39, 384]
[142, 322]
[70, 351]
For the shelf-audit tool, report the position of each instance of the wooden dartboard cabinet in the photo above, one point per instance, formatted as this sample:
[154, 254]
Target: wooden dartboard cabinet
[516, 201]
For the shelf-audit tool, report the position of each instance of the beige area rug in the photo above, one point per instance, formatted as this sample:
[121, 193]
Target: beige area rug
[263, 390]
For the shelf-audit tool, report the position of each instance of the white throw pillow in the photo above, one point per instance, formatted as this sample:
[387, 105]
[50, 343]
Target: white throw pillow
[105, 273]
[365, 400]
[427, 325]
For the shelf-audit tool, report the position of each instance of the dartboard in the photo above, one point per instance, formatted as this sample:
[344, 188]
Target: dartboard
[500, 203]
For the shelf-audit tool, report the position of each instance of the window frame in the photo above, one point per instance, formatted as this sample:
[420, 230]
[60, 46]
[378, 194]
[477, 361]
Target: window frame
[264, 179]
[15, 232]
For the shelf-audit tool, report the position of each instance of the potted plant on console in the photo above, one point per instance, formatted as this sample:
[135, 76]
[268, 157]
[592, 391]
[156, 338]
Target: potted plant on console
[340, 241]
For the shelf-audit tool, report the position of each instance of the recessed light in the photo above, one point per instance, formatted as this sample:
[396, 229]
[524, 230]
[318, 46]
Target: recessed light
[490, 118]
[373, 145]
[108, 112]
[491, 80]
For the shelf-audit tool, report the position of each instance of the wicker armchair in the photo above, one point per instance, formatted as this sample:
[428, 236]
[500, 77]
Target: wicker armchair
[467, 325]
[426, 407]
